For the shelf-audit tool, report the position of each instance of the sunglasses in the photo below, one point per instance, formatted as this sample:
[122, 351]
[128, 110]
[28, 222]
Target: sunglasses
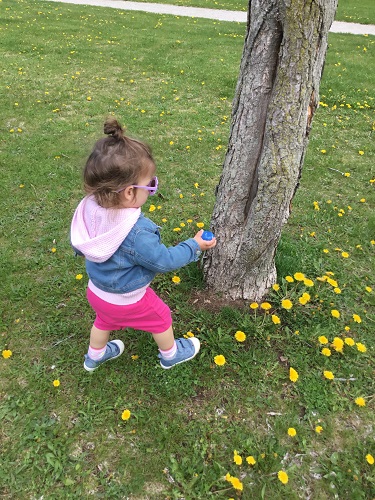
[151, 187]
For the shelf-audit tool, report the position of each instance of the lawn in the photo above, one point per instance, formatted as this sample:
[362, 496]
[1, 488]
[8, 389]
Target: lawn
[297, 394]
[350, 11]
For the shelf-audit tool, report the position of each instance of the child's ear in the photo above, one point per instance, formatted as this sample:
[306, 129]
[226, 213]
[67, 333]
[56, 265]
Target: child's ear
[128, 193]
[127, 196]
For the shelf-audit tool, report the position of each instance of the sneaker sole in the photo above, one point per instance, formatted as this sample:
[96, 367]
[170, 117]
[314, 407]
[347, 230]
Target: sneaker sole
[197, 346]
[119, 344]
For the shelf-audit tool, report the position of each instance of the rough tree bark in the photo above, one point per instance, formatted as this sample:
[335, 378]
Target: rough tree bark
[275, 100]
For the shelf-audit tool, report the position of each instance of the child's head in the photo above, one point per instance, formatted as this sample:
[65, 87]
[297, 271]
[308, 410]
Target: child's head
[116, 161]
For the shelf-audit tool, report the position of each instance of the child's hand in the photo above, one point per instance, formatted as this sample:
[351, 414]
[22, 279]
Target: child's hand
[203, 244]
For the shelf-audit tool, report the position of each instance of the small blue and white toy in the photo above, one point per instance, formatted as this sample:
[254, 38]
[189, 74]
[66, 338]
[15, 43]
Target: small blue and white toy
[207, 236]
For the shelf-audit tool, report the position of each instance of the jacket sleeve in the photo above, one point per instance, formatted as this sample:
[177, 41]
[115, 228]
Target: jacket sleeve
[152, 254]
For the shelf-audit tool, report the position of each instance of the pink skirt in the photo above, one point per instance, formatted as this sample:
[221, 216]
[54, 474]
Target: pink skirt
[150, 314]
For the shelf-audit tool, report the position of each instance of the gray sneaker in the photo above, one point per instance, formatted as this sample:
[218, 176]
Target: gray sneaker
[186, 349]
[114, 349]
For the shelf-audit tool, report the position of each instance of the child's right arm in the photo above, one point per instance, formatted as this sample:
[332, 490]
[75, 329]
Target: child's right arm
[154, 255]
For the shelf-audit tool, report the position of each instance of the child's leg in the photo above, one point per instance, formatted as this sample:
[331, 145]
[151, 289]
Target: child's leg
[166, 343]
[98, 338]
[165, 340]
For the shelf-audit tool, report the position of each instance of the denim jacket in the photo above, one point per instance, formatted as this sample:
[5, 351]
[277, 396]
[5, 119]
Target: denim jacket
[139, 258]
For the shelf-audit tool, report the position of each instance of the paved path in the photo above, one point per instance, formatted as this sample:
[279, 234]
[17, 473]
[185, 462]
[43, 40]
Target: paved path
[221, 15]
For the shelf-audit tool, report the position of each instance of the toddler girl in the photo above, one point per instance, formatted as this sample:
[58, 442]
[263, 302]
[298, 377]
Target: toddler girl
[123, 250]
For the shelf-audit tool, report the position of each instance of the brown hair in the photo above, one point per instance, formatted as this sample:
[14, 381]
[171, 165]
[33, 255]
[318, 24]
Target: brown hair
[115, 162]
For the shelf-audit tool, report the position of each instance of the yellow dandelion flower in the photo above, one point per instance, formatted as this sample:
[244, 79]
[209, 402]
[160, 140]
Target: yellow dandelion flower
[237, 458]
[219, 360]
[368, 289]
[254, 305]
[289, 279]
[56, 383]
[79, 276]
[338, 344]
[360, 401]
[349, 341]
[236, 483]
[335, 313]
[329, 375]
[326, 352]
[318, 429]
[370, 459]
[293, 374]
[152, 208]
[337, 290]
[251, 460]
[283, 476]
[323, 339]
[240, 336]
[275, 319]
[176, 279]
[276, 287]
[126, 415]
[266, 306]
[332, 282]
[299, 276]
[176, 229]
[361, 153]
[325, 250]
[357, 318]
[292, 432]
[361, 347]
[200, 225]
[286, 304]
[7, 353]
[308, 282]
[304, 299]
[345, 255]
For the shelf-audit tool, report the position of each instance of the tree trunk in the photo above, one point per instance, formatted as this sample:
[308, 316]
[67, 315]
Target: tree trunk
[276, 97]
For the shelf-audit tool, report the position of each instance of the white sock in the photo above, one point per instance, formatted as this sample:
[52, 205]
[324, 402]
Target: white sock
[169, 353]
[96, 354]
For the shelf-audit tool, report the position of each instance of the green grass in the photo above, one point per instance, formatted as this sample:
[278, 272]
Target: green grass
[64, 69]
[350, 11]
[207, 4]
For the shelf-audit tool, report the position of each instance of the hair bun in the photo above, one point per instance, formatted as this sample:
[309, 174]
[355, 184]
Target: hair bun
[113, 128]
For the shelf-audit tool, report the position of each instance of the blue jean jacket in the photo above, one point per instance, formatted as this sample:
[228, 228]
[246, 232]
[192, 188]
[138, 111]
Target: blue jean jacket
[139, 258]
